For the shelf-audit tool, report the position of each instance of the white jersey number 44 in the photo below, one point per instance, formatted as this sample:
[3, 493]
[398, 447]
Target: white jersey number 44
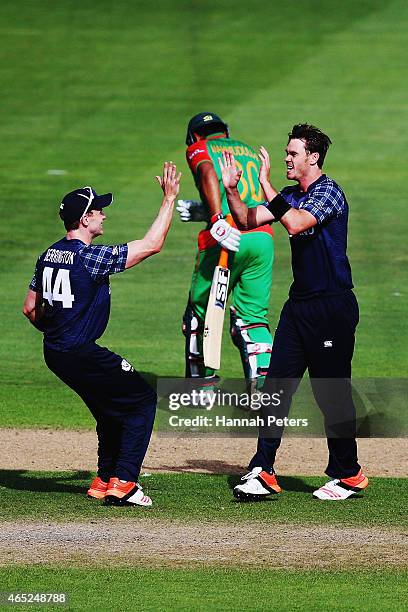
[60, 290]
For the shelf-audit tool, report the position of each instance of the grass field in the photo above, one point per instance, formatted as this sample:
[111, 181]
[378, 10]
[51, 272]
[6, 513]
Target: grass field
[59, 500]
[215, 589]
[105, 96]
[219, 589]
[207, 549]
[100, 93]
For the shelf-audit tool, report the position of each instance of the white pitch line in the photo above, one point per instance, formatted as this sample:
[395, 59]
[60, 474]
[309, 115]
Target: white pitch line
[56, 172]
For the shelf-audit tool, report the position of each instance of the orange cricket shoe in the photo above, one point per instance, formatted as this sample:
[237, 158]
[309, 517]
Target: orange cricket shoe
[125, 493]
[97, 488]
[258, 485]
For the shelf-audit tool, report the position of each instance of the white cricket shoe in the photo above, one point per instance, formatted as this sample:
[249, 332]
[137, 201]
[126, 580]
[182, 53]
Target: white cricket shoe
[139, 498]
[258, 484]
[338, 489]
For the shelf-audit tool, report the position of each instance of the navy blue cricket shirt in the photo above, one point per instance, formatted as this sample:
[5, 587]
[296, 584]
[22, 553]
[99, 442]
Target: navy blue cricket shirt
[74, 281]
[319, 260]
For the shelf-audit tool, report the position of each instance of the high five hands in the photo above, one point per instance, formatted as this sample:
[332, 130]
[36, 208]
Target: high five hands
[170, 181]
[230, 173]
[265, 169]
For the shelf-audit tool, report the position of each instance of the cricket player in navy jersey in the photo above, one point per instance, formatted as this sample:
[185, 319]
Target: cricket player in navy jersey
[317, 325]
[69, 301]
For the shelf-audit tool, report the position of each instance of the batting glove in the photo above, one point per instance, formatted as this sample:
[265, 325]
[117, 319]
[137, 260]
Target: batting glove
[228, 237]
[190, 210]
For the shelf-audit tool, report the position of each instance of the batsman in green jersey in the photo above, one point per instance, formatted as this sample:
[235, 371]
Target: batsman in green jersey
[251, 253]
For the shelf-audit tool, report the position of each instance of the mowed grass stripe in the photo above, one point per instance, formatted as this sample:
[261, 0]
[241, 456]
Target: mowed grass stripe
[213, 589]
[61, 497]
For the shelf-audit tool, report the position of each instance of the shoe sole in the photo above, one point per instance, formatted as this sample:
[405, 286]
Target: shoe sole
[96, 496]
[252, 497]
[359, 488]
[112, 500]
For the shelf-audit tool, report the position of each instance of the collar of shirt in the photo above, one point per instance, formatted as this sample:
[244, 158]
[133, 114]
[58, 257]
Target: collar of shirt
[312, 185]
[214, 136]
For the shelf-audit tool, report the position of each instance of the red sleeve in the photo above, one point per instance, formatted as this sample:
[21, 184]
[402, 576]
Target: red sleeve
[196, 154]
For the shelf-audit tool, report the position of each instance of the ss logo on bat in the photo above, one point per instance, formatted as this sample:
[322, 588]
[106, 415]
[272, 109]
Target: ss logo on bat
[222, 288]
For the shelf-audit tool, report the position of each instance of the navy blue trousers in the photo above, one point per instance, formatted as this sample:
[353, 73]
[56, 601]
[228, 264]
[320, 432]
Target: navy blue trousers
[121, 401]
[318, 335]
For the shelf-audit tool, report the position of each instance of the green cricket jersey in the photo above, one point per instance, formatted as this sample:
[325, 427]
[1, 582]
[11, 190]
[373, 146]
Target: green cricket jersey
[247, 160]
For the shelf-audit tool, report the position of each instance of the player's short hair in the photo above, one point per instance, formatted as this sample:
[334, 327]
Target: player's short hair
[70, 225]
[213, 128]
[315, 140]
[73, 225]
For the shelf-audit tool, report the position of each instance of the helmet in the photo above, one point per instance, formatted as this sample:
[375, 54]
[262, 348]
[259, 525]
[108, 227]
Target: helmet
[201, 120]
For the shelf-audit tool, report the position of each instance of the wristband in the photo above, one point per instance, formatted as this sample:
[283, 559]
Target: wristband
[278, 207]
[216, 218]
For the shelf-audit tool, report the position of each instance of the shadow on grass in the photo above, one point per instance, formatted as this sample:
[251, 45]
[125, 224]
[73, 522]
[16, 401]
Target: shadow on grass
[22, 480]
[292, 483]
[211, 467]
[288, 483]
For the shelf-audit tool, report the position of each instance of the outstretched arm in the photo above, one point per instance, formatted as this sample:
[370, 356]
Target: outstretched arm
[294, 221]
[153, 241]
[245, 218]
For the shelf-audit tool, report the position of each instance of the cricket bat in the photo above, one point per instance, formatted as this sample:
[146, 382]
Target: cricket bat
[214, 317]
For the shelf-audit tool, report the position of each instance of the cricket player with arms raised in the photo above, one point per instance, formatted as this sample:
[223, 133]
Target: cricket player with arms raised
[69, 301]
[316, 329]
[250, 253]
